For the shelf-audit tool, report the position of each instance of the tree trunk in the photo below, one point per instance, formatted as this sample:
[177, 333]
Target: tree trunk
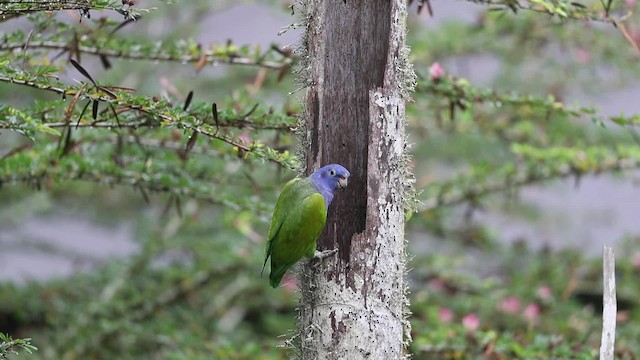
[354, 305]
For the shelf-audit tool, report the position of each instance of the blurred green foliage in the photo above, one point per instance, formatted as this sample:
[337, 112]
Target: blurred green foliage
[124, 145]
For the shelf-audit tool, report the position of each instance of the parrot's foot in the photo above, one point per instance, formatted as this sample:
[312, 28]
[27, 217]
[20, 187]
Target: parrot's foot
[324, 254]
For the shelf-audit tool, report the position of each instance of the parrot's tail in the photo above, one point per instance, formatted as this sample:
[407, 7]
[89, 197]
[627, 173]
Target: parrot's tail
[264, 264]
[276, 275]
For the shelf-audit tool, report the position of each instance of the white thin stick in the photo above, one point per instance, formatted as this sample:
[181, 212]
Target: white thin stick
[609, 309]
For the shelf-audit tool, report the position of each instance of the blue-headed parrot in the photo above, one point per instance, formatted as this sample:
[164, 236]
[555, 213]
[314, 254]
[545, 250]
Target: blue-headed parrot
[299, 217]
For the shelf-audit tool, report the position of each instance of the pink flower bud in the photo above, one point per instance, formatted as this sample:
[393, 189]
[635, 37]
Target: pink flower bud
[531, 312]
[445, 315]
[636, 261]
[622, 316]
[244, 138]
[471, 322]
[583, 55]
[544, 293]
[436, 71]
[437, 285]
[510, 305]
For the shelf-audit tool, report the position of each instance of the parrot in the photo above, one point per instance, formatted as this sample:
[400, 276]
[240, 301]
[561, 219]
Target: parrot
[299, 217]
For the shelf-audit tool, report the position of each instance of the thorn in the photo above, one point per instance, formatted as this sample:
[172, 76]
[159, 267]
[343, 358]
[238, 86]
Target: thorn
[82, 70]
[94, 111]
[187, 102]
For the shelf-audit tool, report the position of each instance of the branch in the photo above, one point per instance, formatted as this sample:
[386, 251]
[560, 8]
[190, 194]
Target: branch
[461, 93]
[126, 104]
[566, 10]
[44, 166]
[37, 85]
[237, 123]
[474, 186]
[133, 179]
[562, 9]
[161, 113]
[13, 8]
[165, 145]
[207, 57]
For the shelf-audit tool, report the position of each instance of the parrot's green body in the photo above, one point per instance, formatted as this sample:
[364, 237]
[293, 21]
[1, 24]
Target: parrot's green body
[297, 222]
[299, 217]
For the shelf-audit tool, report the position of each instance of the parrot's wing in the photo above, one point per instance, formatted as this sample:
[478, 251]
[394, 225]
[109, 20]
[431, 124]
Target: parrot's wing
[298, 234]
[283, 205]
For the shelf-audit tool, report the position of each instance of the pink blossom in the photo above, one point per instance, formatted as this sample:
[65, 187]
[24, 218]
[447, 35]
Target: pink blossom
[437, 284]
[445, 315]
[630, 3]
[531, 312]
[622, 316]
[436, 71]
[635, 35]
[471, 322]
[510, 305]
[636, 261]
[244, 138]
[583, 55]
[544, 292]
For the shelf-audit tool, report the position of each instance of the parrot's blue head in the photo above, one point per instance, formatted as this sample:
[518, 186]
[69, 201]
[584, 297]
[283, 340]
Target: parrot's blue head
[329, 178]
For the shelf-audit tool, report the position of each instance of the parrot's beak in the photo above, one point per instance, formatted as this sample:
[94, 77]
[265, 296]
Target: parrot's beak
[343, 182]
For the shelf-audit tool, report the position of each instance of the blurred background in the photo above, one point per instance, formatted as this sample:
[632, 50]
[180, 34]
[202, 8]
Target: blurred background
[520, 125]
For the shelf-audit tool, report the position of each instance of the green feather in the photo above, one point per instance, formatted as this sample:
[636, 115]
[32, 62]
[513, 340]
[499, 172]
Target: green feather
[298, 219]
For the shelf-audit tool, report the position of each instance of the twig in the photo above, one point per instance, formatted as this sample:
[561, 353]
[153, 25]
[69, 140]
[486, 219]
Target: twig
[13, 8]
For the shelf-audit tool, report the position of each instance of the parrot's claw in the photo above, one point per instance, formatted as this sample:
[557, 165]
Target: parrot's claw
[324, 254]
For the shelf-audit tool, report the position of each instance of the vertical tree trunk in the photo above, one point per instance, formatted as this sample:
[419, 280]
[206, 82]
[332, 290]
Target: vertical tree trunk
[353, 305]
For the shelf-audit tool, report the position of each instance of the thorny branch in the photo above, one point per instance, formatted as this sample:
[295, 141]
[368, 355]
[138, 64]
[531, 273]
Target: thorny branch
[163, 118]
[203, 58]
[134, 180]
[230, 123]
[470, 194]
[14, 8]
[563, 9]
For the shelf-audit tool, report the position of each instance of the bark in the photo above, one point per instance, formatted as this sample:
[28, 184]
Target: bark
[353, 305]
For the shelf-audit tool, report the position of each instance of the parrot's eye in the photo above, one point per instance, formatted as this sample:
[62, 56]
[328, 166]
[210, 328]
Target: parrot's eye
[332, 172]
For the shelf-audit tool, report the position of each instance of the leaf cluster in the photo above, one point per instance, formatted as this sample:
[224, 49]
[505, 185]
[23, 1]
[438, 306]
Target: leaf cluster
[9, 346]
[108, 134]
